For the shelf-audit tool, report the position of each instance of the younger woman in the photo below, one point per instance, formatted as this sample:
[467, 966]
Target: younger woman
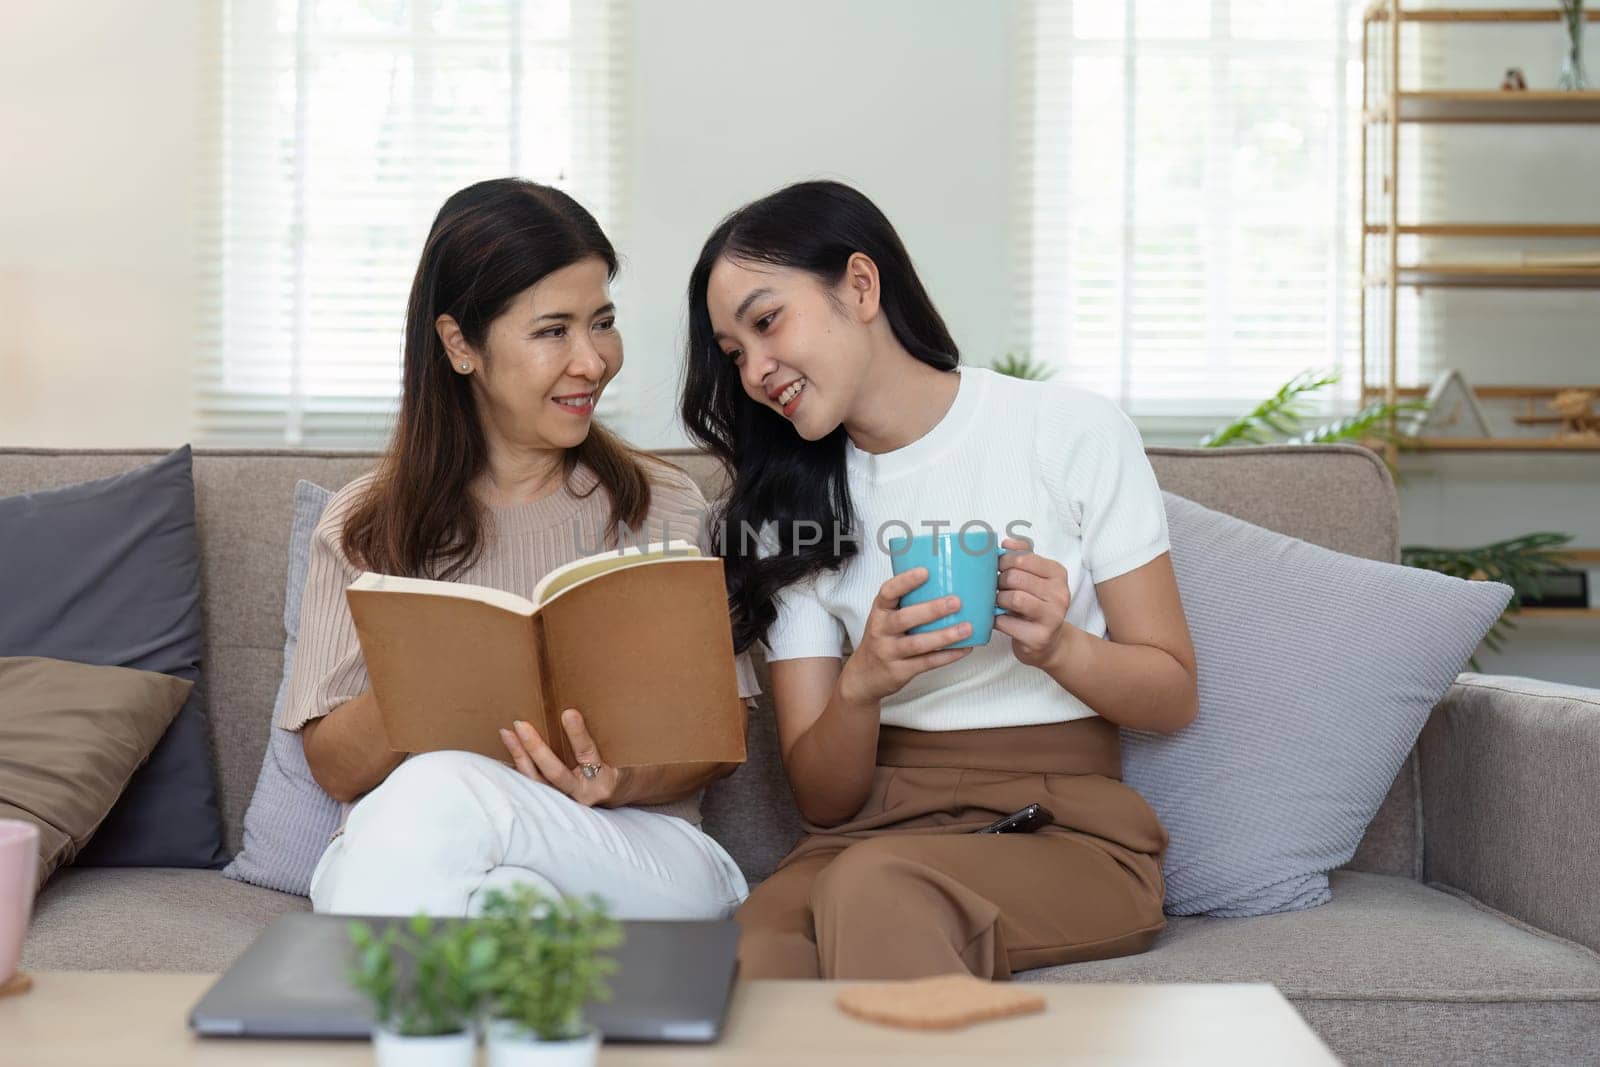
[822, 375]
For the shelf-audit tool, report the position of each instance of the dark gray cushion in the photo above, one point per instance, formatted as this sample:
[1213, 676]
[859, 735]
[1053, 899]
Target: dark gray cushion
[1317, 670]
[107, 573]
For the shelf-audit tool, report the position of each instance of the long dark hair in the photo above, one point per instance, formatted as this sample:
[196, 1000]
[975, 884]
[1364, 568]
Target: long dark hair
[777, 475]
[489, 242]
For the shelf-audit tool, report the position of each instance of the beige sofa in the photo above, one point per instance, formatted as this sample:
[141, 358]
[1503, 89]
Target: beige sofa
[1465, 930]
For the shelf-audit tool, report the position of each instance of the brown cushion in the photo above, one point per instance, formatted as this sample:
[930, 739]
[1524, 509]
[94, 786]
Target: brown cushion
[71, 735]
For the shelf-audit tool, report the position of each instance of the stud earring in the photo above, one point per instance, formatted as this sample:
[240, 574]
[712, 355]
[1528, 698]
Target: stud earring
[466, 366]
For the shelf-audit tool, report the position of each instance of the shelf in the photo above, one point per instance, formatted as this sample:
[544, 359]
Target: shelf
[1489, 229]
[1379, 12]
[1423, 445]
[1494, 105]
[1553, 613]
[1490, 276]
[1484, 392]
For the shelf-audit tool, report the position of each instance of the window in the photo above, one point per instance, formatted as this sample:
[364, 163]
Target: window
[339, 127]
[1188, 195]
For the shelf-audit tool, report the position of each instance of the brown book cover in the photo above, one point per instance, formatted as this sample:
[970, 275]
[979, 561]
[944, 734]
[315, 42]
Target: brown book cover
[638, 640]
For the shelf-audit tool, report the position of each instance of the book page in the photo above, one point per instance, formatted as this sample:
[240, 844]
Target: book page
[568, 575]
[448, 672]
[390, 583]
[646, 654]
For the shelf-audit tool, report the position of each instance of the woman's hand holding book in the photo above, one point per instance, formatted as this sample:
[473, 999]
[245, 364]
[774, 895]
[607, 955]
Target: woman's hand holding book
[538, 761]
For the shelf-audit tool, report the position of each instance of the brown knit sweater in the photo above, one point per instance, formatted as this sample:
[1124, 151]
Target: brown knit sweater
[522, 543]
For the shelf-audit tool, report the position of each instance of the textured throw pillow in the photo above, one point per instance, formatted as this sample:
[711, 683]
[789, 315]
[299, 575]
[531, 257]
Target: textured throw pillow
[1317, 671]
[71, 735]
[290, 818]
[108, 573]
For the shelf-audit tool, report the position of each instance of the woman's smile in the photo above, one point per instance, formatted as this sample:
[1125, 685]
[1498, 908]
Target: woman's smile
[789, 398]
[579, 404]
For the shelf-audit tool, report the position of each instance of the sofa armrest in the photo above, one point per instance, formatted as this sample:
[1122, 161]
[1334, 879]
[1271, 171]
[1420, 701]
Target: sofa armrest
[1510, 771]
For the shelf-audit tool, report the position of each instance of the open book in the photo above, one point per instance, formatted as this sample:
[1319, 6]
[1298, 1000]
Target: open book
[638, 640]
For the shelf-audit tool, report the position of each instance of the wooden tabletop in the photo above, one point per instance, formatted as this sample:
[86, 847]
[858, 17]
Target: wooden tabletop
[97, 1017]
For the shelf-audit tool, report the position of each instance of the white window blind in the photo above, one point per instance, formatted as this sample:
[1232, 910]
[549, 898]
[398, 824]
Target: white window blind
[1188, 186]
[338, 129]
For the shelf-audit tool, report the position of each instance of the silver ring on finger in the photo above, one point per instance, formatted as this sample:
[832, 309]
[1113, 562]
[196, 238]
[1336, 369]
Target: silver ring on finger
[590, 771]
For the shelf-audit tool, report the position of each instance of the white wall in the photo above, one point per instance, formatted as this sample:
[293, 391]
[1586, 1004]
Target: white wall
[97, 115]
[905, 99]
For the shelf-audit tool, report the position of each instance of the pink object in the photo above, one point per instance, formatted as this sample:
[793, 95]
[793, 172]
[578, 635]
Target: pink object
[19, 870]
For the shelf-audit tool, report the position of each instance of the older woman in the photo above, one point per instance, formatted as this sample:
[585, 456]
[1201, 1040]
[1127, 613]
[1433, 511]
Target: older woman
[496, 474]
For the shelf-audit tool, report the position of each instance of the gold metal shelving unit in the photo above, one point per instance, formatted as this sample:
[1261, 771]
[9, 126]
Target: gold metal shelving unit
[1386, 111]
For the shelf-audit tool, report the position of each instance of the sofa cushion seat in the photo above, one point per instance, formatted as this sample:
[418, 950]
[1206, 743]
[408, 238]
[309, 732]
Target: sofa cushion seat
[1391, 970]
[147, 919]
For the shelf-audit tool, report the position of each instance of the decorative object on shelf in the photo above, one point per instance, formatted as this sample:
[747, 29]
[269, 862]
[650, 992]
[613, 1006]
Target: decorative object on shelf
[1520, 562]
[1559, 587]
[1451, 410]
[1576, 410]
[1572, 75]
[1541, 258]
[1020, 365]
[1575, 419]
[1514, 81]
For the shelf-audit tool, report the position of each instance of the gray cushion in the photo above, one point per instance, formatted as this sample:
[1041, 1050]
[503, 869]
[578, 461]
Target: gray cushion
[108, 573]
[752, 812]
[1317, 671]
[147, 920]
[290, 818]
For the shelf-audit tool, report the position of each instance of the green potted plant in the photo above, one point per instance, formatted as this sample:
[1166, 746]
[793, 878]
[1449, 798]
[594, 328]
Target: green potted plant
[548, 964]
[1021, 365]
[425, 982]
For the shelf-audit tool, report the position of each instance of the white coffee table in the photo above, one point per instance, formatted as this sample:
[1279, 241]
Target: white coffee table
[132, 1019]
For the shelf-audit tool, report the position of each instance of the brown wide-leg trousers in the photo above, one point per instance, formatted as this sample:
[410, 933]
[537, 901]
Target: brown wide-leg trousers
[905, 889]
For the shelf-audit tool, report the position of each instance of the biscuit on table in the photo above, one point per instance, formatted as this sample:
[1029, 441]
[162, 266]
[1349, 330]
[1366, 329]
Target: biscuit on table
[943, 1002]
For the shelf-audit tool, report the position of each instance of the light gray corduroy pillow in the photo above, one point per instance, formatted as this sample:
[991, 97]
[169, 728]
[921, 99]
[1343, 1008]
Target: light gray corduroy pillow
[290, 818]
[1317, 671]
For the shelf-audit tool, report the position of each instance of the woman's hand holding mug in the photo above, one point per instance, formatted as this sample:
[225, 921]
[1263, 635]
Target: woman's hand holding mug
[1033, 590]
[888, 657]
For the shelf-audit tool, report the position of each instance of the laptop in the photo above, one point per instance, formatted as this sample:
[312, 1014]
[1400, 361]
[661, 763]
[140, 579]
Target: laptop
[672, 983]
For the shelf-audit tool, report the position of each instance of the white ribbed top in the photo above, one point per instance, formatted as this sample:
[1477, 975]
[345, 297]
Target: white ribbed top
[522, 544]
[1064, 460]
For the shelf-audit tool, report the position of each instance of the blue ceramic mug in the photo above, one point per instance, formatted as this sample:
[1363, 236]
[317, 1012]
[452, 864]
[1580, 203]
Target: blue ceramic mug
[960, 565]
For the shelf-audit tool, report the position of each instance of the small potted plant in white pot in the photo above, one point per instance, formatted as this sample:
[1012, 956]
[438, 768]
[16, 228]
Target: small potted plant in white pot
[425, 982]
[547, 965]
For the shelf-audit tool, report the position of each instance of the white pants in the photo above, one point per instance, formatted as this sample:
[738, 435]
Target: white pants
[446, 827]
